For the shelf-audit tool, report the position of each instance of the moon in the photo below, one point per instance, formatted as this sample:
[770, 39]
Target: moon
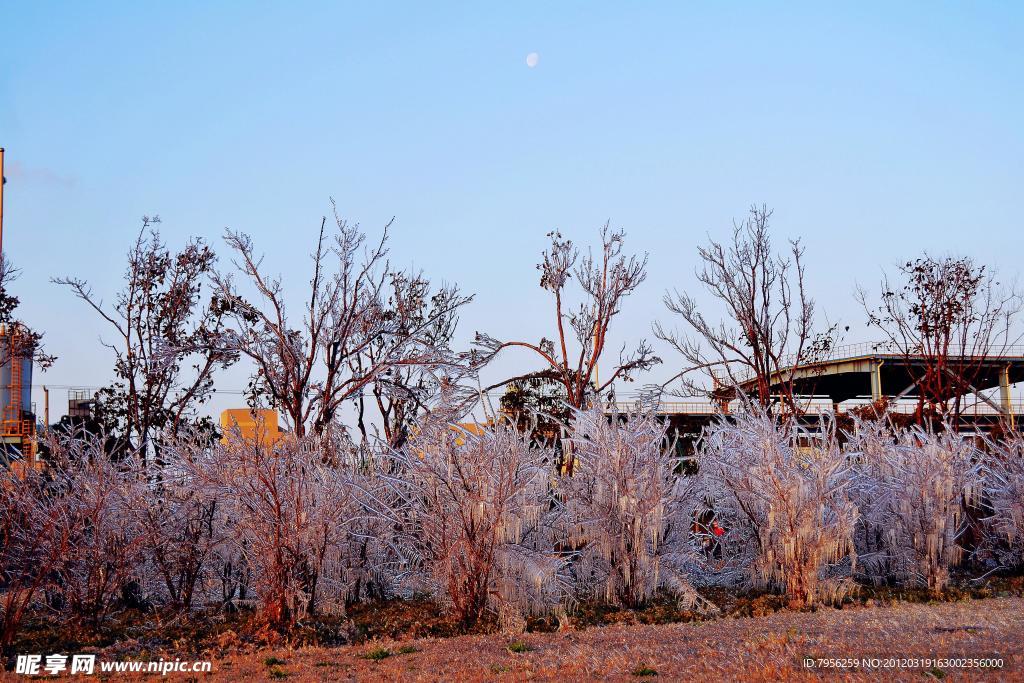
[532, 59]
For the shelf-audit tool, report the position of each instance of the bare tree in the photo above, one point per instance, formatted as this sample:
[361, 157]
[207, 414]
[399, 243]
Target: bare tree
[949, 317]
[167, 341]
[347, 340]
[402, 392]
[770, 325]
[605, 280]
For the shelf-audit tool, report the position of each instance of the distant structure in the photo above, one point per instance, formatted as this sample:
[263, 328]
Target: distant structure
[880, 372]
[17, 419]
[858, 375]
[250, 425]
[81, 404]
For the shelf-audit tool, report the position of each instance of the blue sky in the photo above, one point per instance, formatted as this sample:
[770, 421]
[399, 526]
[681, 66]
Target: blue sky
[875, 130]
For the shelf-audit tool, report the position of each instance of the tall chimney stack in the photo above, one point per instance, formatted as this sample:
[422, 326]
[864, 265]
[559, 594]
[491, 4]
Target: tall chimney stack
[3, 181]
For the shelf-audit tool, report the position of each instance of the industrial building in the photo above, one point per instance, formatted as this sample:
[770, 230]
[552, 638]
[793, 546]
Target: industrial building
[17, 418]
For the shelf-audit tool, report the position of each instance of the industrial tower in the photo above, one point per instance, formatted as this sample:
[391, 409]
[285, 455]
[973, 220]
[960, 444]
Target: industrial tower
[17, 421]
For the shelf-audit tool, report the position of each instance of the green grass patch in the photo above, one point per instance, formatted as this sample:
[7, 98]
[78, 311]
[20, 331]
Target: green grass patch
[378, 653]
[273, 661]
[644, 672]
[519, 647]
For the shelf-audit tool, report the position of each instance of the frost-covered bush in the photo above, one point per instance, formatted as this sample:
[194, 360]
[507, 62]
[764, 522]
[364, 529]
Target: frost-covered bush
[288, 515]
[119, 532]
[34, 540]
[782, 499]
[627, 512]
[1003, 500]
[912, 488]
[482, 520]
[478, 520]
[100, 567]
[179, 524]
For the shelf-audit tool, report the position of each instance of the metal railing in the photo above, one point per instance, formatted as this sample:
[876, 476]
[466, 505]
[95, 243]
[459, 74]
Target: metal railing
[981, 409]
[887, 348]
[668, 407]
[884, 348]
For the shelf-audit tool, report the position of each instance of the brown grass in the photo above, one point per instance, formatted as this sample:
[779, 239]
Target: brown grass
[748, 648]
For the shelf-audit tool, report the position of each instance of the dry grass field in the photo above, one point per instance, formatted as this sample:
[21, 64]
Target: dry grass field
[765, 648]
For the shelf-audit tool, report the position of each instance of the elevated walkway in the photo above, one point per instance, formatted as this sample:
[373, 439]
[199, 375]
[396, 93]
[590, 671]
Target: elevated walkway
[853, 376]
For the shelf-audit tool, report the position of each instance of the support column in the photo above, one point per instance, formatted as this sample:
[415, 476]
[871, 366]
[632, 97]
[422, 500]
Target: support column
[1004, 396]
[876, 381]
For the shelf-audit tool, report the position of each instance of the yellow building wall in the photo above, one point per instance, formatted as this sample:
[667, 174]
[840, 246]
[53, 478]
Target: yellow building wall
[260, 425]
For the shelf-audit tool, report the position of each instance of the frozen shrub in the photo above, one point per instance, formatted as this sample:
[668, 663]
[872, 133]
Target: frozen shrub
[781, 498]
[1004, 500]
[478, 520]
[100, 567]
[627, 511]
[179, 525]
[121, 532]
[34, 539]
[287, 515]
[375, 561]
[913, 488]
[231, 577]
[869, 442]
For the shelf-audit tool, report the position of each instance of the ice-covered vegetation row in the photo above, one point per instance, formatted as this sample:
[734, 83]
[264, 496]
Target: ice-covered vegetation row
[486, 522]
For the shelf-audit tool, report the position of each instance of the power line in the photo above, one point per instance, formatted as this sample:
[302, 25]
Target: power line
[242, 392]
